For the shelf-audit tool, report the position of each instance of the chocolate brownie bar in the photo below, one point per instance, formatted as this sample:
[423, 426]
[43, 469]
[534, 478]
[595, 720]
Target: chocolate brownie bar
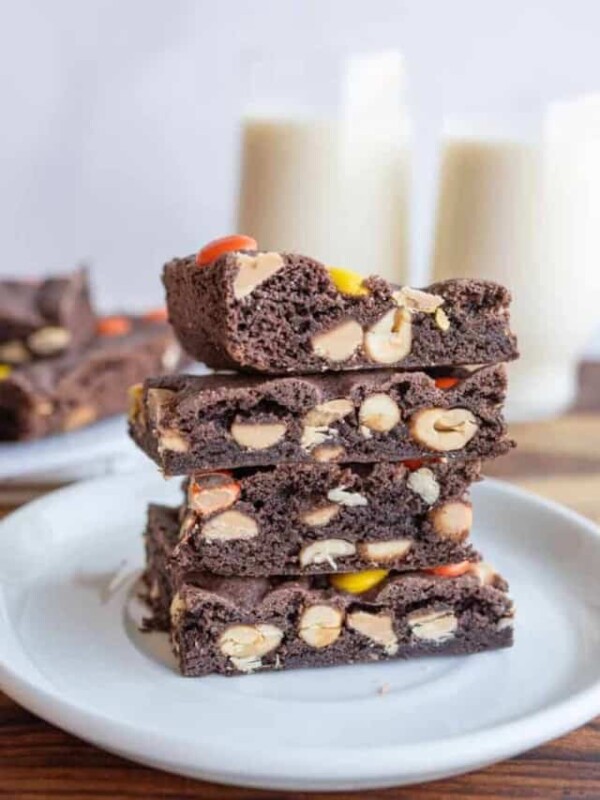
[188, 423]
[283, 312]
[73, 390]
[316, 518]
[235, 626]
[44, 318]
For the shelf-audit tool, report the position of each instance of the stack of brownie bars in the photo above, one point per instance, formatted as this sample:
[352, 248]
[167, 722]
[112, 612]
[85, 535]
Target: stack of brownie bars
[325, 515]
[61, 365]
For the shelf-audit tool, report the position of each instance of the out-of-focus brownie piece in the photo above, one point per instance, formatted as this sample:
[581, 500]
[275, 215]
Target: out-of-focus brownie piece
[46, 318]
[187, 423]
[235, 626]
[76, 389]
[282, 313]
[317, 518]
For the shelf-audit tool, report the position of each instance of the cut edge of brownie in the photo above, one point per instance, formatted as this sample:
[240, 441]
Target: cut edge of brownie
[425, 615]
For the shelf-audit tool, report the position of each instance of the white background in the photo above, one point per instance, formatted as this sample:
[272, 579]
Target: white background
[119, 117]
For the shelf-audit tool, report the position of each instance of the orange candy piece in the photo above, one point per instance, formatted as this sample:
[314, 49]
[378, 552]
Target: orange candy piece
[113, 326]
[228, 244]
[446, 383]
[450, 570]
[156, 315]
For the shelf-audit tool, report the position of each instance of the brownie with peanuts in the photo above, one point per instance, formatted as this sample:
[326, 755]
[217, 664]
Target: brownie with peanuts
[281, 313]
[187, 423]
[236, 625]
[44, 318]
[73, 390]
[314, 518]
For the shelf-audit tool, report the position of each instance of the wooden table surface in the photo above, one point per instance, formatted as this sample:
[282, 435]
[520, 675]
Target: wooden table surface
[558, 459]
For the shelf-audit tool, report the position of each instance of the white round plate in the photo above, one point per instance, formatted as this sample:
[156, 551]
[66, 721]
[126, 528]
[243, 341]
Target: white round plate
[71, 651]
[97, 449]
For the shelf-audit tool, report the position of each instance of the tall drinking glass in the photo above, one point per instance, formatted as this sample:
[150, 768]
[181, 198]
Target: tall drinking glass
[325, 159]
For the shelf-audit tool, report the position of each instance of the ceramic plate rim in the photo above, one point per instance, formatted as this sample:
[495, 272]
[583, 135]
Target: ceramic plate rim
[285, 767]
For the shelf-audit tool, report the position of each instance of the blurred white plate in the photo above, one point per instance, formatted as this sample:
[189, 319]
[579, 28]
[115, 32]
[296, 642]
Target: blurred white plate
[70, 651]
[97, 449]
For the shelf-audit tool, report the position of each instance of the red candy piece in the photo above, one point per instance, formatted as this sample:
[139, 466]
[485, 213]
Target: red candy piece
[450, 570]
[113, 326]
[446, 383]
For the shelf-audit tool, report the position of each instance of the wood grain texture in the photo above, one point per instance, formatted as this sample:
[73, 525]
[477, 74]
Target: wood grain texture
[559, 460]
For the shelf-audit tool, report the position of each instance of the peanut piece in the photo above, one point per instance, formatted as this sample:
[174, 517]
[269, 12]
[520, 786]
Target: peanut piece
[14, 352]
[320, 516]
[505, 622]
[245, 645]
[172, 440]
[379, 413]
[441, 320]
[379, 552]
[229, 526]
[339, 343]
[484, 572]
[157, 401]
[417, 300]
[376, 627]
[311, 436]
[443, 429]
[320, 625]
[257, 435]
[344, 498]
[48, 341]
[328, 452]
[326, 413]
[422, 482]
[211, 492]
[325, 551]
[254, 270]
[135, 413]
[432, 625]
[390, 339]
[452, 520]
[177, 608]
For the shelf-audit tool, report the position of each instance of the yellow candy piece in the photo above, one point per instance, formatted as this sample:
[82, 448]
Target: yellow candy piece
[5, 370]
[358, 582]
[347, 282]
[135, 394]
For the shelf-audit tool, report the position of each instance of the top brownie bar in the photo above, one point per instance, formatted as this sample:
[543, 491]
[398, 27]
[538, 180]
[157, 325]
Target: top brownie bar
[286, 313]
[44, 318]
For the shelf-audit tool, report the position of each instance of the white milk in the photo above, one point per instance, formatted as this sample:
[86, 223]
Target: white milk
[488, 226]
[289, 197]
[527, 216]
[338, 188]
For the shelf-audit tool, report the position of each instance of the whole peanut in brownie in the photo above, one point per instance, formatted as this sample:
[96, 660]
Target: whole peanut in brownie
[186, 423]
[76, 389]
[282, 313]
[235, 626]
[46, 318]
[316, 518]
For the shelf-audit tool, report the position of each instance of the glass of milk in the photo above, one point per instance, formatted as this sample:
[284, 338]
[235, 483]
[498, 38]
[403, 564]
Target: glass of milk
[325, 159]
[512, 207]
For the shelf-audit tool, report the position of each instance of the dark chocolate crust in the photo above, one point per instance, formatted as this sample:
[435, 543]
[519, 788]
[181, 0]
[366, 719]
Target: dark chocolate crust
[271, 329]
[26, 307]
[78, 388]
[378, 504]
[206, 608]
[187, 425]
